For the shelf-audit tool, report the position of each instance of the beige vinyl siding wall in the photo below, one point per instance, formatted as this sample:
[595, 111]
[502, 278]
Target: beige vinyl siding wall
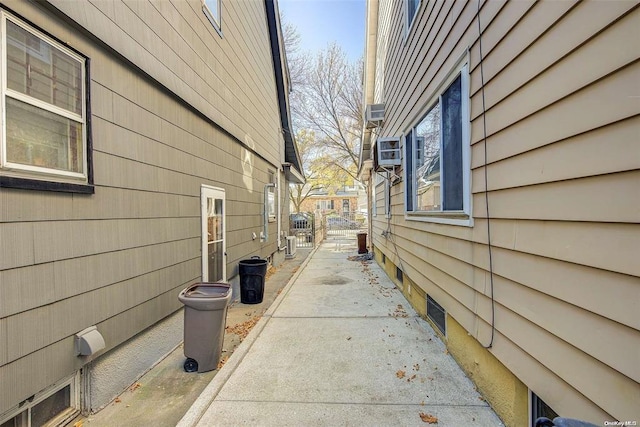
[382, 50]
[119, 257]
[561, 95]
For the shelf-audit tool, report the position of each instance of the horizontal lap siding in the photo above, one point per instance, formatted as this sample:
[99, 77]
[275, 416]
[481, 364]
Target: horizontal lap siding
[31, 287]
[41, 368]
[228, 79]
[563, 167]
[119, 257]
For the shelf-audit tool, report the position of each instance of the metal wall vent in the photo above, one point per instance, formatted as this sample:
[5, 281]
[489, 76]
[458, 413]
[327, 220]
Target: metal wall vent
[437, 314]
[399, 275]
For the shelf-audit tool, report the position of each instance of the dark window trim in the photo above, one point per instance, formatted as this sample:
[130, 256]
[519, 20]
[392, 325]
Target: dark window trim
[24, 183]
[35, 184]
[539, 408]
[462, 217]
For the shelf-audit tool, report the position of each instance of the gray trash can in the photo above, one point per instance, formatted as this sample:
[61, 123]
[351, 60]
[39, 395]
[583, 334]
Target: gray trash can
[205, 316]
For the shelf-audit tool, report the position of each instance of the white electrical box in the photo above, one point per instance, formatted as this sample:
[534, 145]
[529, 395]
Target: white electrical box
[291, 247]
[388, 151]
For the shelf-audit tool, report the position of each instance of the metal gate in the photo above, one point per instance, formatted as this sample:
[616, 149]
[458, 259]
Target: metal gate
[302, 226]
[344, 225]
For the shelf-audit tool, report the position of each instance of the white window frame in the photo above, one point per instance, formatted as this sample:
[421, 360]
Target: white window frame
[409, 21]
[216, 21]
[271, 207]
[72, 381]
[19, 170]
[463, 217]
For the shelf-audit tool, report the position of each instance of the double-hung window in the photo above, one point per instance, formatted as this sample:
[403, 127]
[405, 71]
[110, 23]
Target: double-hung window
[43, 109]
[437, 155]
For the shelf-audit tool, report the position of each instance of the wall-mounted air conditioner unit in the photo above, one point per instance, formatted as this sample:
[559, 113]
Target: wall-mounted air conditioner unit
[290, 252]
[374, 115]
[388, 152]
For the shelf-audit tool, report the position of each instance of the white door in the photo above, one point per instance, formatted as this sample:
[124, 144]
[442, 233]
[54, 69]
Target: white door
[214, 264]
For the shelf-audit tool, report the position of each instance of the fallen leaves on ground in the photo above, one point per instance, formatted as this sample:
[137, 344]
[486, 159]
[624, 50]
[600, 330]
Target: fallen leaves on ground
[243, 329]
[399, 312]
[222, 362]
[363, 258]
[428, 418]
[117, 400]
[270, 272]
[78, 423]
[134, 387]
[400, 373]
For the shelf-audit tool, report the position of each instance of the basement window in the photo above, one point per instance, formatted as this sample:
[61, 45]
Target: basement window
[56, 405]
[399, 275]
[437, 314]
[540, 409]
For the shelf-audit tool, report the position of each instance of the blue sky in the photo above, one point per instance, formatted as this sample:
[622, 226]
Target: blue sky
[321, 22]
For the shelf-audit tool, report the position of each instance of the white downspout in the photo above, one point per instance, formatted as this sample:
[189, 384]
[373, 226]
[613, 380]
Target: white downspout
[280, 248]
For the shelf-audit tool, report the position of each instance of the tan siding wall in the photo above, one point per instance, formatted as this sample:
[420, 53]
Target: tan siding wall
[119, 257]
[563, 168]
[229, 79]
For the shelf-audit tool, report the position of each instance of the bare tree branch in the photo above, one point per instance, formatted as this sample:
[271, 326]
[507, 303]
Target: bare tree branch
[325, 103]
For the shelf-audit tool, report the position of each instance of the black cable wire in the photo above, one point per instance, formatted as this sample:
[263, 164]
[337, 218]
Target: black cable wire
[486, 187]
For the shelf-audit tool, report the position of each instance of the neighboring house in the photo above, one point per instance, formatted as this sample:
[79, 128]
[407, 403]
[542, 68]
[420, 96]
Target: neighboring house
[343, 201]
[144, 143]
[511, 222]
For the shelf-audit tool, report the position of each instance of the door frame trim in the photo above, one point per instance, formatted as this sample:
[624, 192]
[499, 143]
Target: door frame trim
[204, 189]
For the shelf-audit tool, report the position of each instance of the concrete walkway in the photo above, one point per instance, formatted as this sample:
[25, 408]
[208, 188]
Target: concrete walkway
[164, 394]
[340, 346]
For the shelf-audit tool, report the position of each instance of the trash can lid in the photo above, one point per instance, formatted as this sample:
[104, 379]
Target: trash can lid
[207, 290]
[253, 261]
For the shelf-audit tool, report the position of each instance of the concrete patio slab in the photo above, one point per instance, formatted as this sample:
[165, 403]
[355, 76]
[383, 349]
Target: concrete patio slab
[341, 346]
[233, 413]
[343, 360]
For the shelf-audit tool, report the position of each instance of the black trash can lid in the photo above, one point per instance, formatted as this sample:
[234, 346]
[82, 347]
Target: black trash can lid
[208, 290]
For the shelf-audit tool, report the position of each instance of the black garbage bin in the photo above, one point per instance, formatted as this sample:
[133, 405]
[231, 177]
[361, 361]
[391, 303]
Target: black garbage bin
[205, 316]
[252, 275]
